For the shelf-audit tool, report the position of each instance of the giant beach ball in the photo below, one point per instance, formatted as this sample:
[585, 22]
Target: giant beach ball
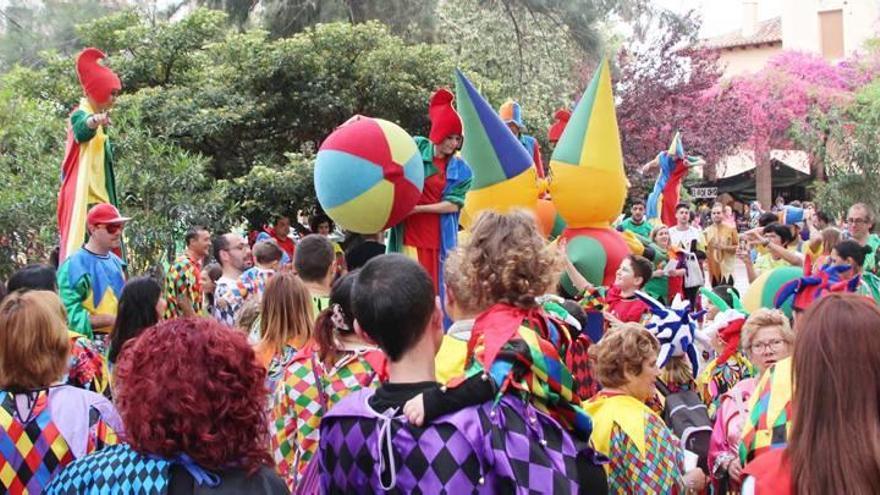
[762, 292]
[368, 175]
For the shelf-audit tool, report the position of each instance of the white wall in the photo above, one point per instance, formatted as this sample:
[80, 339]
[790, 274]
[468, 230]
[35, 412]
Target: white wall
[800, 23]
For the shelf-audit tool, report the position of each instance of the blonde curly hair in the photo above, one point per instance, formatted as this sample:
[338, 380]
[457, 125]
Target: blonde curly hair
[504, 260]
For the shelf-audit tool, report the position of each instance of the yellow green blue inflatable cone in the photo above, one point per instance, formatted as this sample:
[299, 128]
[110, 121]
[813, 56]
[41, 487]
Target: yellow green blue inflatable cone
[589, 183]
[504, 178]
[589, 180]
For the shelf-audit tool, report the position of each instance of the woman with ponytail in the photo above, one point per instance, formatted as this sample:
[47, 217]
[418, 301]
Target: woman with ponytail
[337, 362]
[853, 254]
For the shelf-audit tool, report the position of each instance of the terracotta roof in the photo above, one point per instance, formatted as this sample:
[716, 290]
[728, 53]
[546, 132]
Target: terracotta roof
[769, 31]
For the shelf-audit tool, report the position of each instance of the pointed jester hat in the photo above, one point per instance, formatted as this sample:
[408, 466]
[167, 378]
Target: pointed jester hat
[728, 323]
[675, 327]
[98, 82]
[807, 289]
[504, 176]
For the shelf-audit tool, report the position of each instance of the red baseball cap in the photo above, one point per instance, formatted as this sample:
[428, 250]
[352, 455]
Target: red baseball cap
[103, 214]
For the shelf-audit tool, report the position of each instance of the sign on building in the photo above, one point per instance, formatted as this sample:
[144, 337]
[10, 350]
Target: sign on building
[704, 192]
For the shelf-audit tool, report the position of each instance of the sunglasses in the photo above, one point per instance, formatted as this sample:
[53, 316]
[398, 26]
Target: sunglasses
[113, 228]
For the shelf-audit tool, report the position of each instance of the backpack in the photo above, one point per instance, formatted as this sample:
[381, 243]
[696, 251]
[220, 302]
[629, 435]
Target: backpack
[688, 418]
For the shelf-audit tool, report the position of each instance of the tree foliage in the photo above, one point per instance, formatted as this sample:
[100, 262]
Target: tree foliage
[214, 125]
[29, 27]
[850, 151]
[669, 86]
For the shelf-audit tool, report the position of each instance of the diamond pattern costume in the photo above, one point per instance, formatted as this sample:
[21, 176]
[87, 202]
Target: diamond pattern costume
[717, 379]
[505, 448]
[63, 423]
[769, 421]
[252, 282]
[297, 410]
[119, 470]
[87, 368]
[183, 279]
[645, 456]
[523, 352]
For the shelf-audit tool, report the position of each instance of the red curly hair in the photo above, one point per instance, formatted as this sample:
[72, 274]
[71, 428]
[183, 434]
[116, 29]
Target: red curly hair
[193, 386]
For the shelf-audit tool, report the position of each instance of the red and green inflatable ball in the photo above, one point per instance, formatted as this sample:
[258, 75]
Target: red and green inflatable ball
[596, 253]
[762, 292]
[368, 175]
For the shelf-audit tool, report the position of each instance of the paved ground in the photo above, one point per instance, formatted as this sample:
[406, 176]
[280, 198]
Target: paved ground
[740, 278]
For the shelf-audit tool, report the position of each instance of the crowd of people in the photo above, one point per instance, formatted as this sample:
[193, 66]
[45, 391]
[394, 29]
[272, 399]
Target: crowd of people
[309, 377]
[477, 360]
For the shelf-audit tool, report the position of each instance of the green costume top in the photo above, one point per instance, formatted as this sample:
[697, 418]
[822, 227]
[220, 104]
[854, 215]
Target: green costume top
[643, 229]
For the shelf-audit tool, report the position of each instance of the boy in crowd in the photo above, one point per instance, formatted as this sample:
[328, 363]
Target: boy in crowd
[315, 263]
[267, 260]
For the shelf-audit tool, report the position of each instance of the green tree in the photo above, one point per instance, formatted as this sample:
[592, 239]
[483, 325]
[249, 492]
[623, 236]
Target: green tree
[213, 126]
[851, 153]
[30, 27]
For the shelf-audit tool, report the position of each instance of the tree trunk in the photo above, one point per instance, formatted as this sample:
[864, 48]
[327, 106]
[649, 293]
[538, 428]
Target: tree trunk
[764, 178]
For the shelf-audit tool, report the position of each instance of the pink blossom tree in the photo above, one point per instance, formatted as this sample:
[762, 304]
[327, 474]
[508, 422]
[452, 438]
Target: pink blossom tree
[669, 86]
[789, 97]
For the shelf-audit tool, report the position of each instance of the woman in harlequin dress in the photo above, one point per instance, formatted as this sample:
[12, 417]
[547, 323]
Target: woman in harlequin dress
[335, 363]
[285, 325]
[766, 338]
[645, 457]
[46, 424]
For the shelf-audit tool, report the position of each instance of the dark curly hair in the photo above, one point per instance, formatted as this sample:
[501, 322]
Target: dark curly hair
[193, 386]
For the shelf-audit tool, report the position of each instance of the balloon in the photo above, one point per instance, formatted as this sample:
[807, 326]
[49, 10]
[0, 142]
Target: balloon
[589, 182]
[549, 221]
[368, 175]
[596, 253]
[762, 291]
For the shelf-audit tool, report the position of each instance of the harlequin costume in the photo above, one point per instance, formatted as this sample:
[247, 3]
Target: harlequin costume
[674, 164]
[121, 470]
[87, 175]
[511, 113]
[731, 366]
[427, 237]
[87, 367]
[645, 457]
[805, 290]
[184, 278]
[521, 352]
[508, 447]
[769, 419]
[252, 283]
[300, 401]
[58, 425]
[90, 283]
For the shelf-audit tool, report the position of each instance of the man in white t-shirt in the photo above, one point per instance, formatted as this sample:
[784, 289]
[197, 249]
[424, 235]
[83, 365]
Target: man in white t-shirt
[234, 255]
[689, 239]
